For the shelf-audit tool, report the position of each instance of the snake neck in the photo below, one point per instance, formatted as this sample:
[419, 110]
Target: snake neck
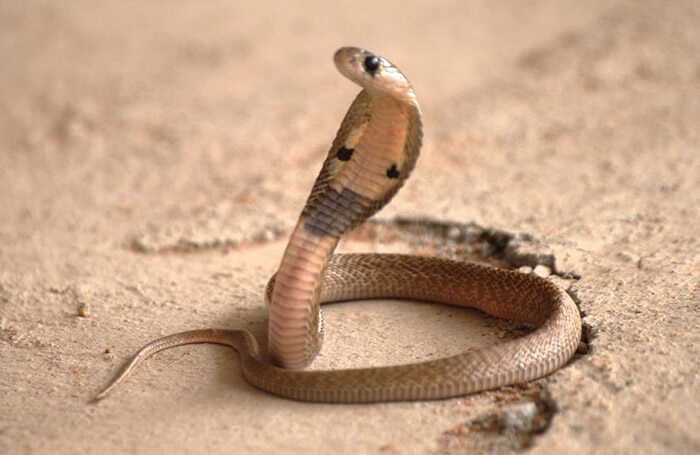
[374, 152]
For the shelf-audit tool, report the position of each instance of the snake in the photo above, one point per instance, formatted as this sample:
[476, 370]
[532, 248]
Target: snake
[373, 154]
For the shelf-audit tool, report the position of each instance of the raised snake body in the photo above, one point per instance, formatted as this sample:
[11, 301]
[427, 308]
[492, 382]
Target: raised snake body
[373, 153]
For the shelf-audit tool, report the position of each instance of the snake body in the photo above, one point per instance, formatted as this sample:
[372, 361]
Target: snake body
[374, 152]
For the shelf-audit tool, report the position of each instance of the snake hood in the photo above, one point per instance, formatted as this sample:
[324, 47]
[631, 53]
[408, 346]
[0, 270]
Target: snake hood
[373, 153]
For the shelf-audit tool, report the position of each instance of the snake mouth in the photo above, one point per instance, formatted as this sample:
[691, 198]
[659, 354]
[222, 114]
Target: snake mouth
[346, 52]
[348, 60]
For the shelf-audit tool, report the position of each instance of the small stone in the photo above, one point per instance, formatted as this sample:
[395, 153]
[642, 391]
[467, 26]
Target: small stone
[582, 348]
[519, 416]
[487, 250]
[542, 271]
[525, 269]
[453, 233]
[473, 231]
[561, 282]
[83, 309]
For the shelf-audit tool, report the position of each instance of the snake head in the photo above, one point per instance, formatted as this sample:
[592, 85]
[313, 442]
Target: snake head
[375, 74]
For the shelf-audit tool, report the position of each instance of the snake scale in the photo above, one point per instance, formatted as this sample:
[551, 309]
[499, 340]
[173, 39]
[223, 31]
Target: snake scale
[373, 154]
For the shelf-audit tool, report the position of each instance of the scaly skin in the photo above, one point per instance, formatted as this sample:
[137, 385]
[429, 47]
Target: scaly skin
[372, 155]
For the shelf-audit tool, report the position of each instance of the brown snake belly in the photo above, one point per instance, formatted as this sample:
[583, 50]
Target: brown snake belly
[373, 154]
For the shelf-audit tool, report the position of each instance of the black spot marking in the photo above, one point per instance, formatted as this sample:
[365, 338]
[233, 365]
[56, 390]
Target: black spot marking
[344, 154]
[392, 172]
[371, 64]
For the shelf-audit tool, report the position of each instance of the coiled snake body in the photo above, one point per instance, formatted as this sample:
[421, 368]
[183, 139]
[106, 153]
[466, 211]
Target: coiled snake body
[373, 153]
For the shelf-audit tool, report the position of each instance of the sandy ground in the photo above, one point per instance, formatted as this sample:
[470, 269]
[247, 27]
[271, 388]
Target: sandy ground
[154, 155]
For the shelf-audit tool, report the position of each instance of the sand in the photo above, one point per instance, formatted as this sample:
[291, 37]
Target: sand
[154, 157]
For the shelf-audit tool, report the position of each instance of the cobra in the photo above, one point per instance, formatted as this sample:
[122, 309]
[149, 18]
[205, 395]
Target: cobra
[373, 154]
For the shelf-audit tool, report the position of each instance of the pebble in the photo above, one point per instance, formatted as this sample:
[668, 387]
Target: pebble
[83, 309]
[519, 416]
[582, 348]
[542, 271]
[525, 269]
[561, 282]
[453, 233]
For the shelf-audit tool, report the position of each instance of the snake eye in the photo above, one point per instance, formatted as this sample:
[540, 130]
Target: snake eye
[371, 64]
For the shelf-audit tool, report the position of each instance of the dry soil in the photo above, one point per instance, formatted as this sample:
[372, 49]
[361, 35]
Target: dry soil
[155, 155]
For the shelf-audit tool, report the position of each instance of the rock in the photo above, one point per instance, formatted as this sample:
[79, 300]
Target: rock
[518, 416]
[542, 271]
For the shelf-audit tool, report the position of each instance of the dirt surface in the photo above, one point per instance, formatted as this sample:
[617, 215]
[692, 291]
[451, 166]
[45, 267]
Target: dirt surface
[154, 156]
